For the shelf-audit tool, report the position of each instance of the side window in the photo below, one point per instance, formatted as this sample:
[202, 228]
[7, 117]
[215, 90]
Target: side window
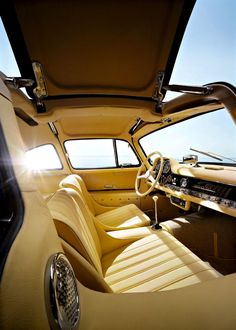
[43, 158]
[126, 155]
[91, 153]
[100, 153]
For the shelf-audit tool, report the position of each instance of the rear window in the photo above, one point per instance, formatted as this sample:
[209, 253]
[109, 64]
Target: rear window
[44, 157]
[100, 153]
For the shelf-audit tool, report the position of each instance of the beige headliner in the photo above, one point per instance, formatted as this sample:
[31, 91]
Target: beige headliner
[74, 119]
[114, 117]
[109, 47]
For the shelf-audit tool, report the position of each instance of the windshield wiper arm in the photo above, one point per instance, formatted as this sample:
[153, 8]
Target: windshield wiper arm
[206, 154]
[213, 155]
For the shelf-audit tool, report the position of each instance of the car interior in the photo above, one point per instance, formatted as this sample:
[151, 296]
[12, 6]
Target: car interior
[101, 227]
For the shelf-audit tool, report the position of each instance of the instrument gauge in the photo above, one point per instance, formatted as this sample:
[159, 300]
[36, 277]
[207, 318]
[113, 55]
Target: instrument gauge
[166, 167]
[183, 182]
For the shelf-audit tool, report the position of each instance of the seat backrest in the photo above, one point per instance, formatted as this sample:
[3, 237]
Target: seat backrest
[74, 181]
[75, 224]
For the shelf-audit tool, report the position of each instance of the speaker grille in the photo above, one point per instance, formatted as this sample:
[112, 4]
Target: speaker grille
[62, 294]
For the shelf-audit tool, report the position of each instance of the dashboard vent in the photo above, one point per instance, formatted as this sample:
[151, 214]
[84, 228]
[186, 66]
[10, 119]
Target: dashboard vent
[62, 297]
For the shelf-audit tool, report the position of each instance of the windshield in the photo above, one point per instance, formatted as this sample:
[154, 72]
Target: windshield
[211, 132]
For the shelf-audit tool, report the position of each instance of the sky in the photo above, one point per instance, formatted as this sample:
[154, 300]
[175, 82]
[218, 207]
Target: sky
[208, 50]
[207, 54]
[7, 60]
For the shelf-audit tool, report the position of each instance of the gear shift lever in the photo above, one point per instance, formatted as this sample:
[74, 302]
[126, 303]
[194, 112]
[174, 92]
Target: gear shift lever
[155, 224]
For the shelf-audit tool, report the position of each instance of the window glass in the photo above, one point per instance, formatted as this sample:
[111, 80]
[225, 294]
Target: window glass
[126, 155]
[91, 153]
[43, 158]
[100, 153]
[176, 140]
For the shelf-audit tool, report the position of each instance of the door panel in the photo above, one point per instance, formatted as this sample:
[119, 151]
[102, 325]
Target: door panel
[112, 187]
[117, 178]
[116, 198]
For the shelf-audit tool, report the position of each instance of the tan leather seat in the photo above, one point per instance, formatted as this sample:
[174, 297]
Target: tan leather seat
[127, 216]
[155, 262]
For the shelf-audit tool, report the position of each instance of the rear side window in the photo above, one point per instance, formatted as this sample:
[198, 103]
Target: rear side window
[44, 157]
[100, 153]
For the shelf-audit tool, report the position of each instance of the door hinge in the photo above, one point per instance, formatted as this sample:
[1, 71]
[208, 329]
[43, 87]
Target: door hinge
[157, 95]
[40, 91]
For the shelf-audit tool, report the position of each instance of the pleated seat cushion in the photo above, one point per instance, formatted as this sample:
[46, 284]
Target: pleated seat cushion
[156, 262]
[127, 216]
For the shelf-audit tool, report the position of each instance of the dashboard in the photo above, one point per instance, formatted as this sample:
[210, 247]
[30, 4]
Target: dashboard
[184, 189]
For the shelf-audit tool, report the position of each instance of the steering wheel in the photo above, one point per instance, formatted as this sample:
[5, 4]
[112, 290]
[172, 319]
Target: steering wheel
[146, 172]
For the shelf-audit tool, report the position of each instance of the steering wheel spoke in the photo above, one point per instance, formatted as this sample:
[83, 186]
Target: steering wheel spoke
[151, 178]
[143, 176]
[148, 175]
